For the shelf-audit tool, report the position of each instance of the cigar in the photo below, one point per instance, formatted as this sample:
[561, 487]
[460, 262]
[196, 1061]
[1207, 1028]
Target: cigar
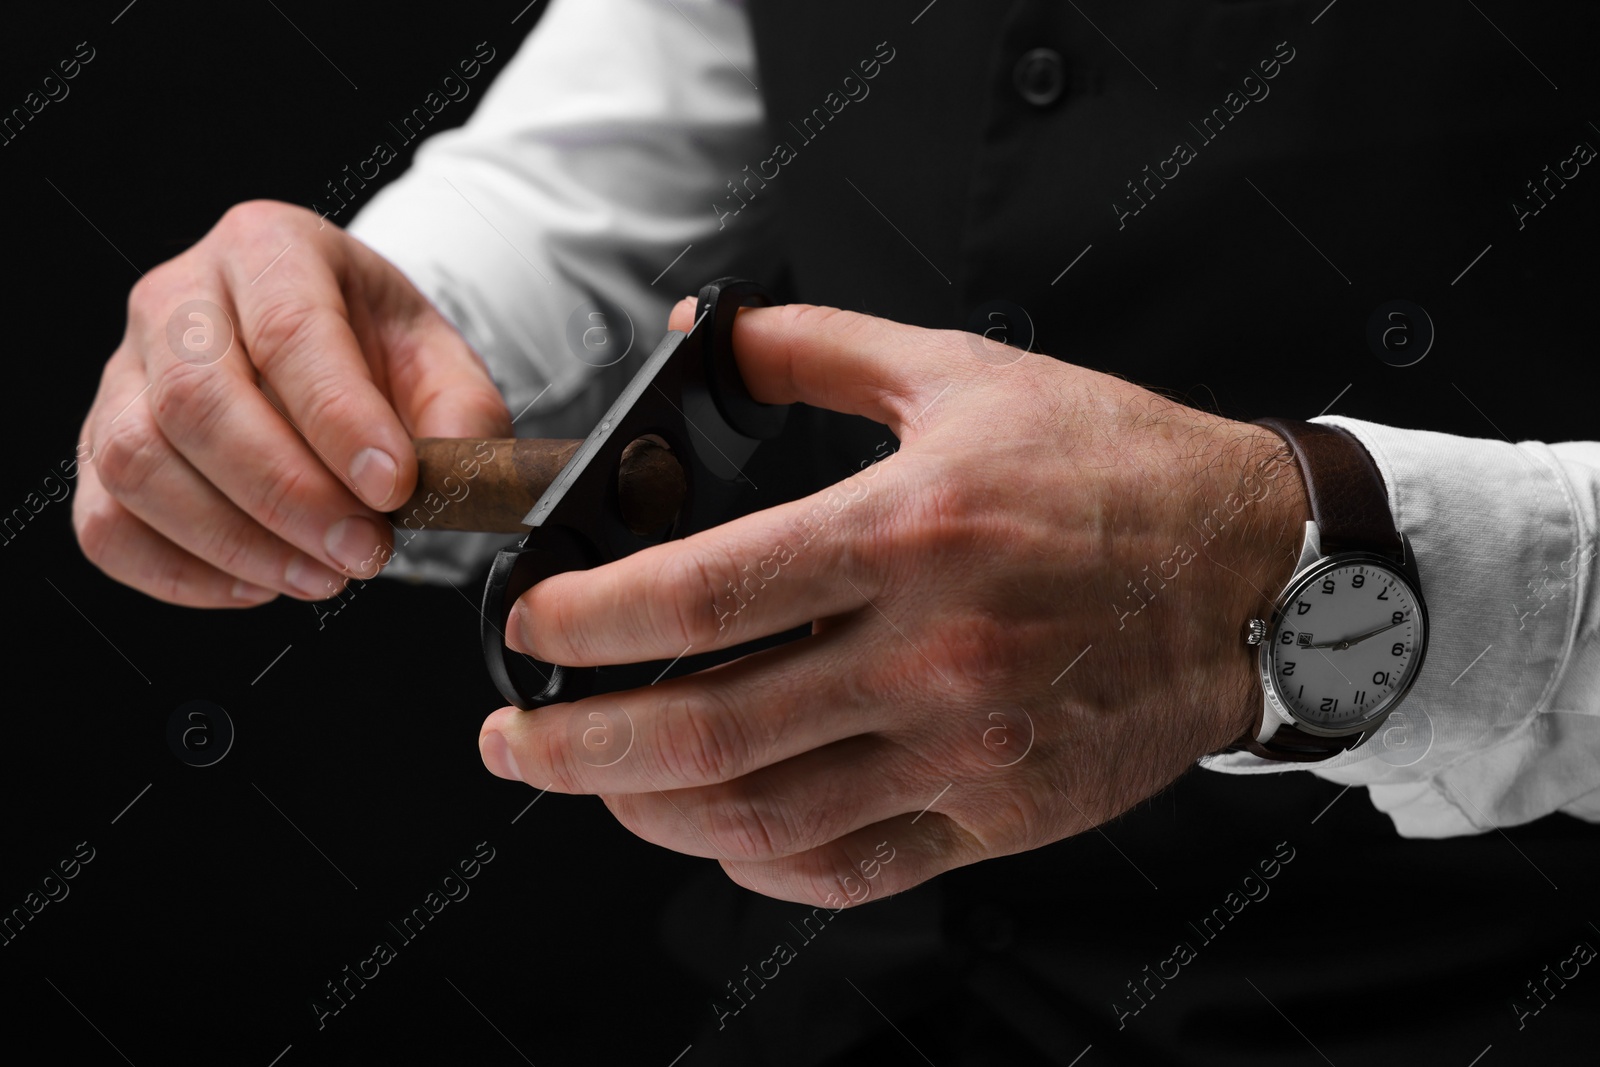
[488, 485]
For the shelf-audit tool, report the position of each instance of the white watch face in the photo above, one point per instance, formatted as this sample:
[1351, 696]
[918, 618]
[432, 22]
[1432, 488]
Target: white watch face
[1346, 645]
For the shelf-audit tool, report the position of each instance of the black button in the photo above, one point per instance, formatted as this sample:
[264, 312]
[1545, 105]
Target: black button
[1040, 76]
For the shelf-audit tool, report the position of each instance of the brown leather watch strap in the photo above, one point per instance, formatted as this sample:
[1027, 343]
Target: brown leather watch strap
[1351, 507]
[1295, 745]
[1344, 487]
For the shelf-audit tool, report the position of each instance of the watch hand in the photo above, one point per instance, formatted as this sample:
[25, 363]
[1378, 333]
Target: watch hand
[1345, 643]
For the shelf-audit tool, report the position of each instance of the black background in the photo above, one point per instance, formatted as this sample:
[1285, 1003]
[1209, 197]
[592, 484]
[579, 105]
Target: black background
[222, 900]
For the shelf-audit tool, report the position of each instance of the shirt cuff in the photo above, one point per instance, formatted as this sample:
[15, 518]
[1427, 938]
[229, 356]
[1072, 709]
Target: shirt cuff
[1476, 745]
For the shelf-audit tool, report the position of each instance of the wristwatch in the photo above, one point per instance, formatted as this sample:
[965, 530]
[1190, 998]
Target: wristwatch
[1348, 634]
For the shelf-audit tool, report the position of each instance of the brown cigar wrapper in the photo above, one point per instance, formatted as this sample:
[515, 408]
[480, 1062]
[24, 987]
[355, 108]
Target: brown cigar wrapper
[488, 485]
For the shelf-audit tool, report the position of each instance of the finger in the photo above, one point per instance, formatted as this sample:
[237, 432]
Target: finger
[295, 323]
[126, 549]
[790, 807]
[439, 385]
[696, 730]
[848, 362]
[682, 315]
[134, 464]
[758, 575]
[868, 864]
[219, 420]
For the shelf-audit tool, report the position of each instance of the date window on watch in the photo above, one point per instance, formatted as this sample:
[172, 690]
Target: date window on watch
[1303, 639]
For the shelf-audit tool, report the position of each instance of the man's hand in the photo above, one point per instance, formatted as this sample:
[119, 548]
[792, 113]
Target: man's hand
[258, 414]
[1027, 619]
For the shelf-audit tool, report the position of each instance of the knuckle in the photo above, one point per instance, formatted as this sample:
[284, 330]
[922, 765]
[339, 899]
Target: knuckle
[331, 405]
[975, 652]
[697, 740]
[553, 751]
[282, 327]
[280, 495]
[749, 824]
[147, 296]
[233, 548]
[1018, 821]
[946, 515]
[164, 577]
[129, 451]
[830, 879]
[257, 218]
[96, 526]
[821, 320]
[550, 628]
[1013, 819]
[798, 880]
[185, 392]
[690, 612]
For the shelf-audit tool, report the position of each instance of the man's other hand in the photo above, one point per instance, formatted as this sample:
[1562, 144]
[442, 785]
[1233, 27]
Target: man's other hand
[257, 417]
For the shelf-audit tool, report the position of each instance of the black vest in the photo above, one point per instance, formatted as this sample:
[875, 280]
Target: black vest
[1207, 197]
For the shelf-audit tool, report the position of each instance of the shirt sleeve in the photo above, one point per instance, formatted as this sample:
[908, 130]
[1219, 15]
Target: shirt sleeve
[1503, 723]
[587, 193]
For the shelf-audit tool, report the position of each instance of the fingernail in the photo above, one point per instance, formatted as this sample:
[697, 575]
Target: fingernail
[252, 594]
[514, 623]
[354, 544]
[311, 579]
[375, 475]
[684, 309]
[497, 756]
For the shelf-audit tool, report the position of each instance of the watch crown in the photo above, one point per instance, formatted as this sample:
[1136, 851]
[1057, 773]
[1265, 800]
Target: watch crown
[1255, 632]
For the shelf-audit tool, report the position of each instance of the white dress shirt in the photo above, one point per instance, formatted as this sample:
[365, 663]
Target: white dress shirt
[592, 167]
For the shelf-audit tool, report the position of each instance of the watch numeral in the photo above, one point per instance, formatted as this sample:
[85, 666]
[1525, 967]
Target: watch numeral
[1327, 585]
[1357, 581]
[1398, 617]
[1287, 637]
[1288, 668]
[1300, 694]
[1301, 607]
[1330, 704]
[1385, 594]
[1380, 677]
[1361, 697]
[1398, 649]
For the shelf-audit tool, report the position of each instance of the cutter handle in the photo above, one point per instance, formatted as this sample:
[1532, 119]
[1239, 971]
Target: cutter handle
[689, 393]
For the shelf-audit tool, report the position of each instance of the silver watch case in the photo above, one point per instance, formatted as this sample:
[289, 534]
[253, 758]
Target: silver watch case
[1310, 567]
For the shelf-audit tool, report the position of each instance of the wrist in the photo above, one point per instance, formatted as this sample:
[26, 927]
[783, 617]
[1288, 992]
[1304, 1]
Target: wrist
[1259, 468]
[1274, 544]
